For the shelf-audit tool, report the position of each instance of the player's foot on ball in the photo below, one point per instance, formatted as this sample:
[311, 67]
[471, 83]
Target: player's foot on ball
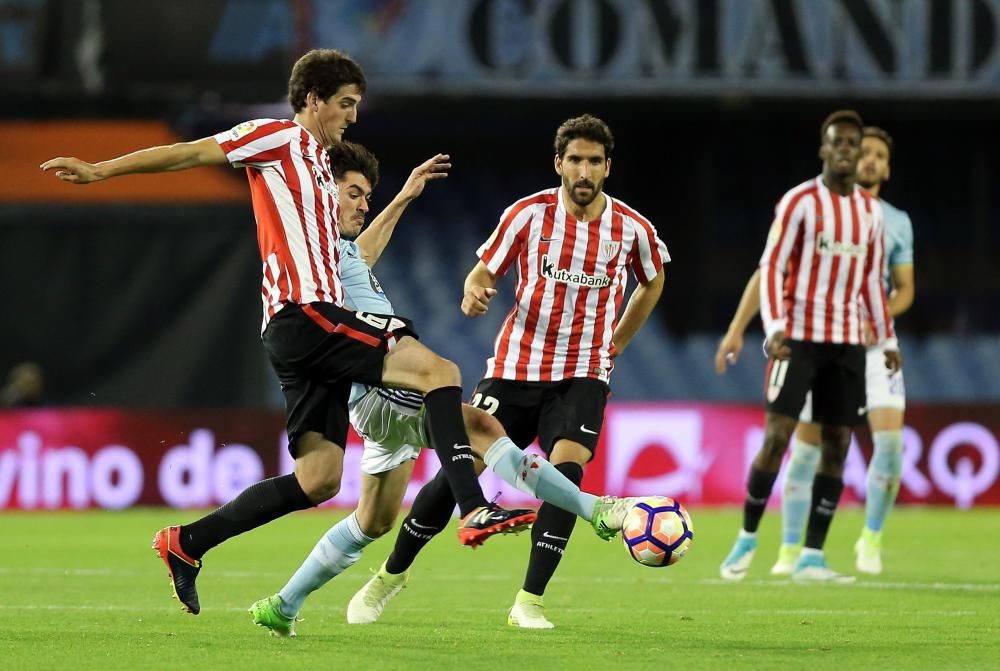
[812, 568]
[528, 612]
[609, 515]
[485, 521]
[267, 613]
[869, 552]
[788, 555]
[735, 566]
[183, 569]
[367, 605]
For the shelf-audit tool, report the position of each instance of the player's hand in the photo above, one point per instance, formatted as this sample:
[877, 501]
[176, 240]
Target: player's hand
[73, 170]
[869, 334]
[776, 346]
[476, 301]
[893, 360]
[729, 351]
[431, 169]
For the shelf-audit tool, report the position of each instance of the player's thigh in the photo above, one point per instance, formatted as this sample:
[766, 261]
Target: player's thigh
[381, 497]
[319, 465]
[573, 410]
[839, 398]
[516, 405]
[788, 382]
[410, 364]
[886, 392]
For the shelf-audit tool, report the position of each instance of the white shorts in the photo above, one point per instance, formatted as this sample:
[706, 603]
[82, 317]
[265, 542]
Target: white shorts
[883, 388]
[393, 432]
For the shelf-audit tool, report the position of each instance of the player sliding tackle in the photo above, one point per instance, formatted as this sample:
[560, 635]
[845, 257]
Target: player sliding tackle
[316, 347]
[392, 423]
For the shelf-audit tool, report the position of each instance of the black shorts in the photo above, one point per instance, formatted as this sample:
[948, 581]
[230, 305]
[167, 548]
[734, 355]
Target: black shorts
[834, 373]
[318, 350]
[572, 409]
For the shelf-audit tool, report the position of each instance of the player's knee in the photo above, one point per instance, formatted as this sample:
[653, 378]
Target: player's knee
[443, 373]
[321, 487]
[483, 429]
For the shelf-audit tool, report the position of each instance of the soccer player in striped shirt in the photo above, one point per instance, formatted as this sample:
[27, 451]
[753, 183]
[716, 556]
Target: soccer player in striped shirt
[820, 281]
[316, 347]
[884, 388]
[392, 421]
[572, 247]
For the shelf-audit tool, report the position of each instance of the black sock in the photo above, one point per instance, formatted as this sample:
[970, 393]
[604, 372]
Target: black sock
[826, 496]
[759, 486]
[549, 536]
[429, 516]
[256, 505]
[446, 428]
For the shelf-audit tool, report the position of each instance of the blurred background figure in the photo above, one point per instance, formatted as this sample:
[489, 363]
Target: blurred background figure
[24, 386]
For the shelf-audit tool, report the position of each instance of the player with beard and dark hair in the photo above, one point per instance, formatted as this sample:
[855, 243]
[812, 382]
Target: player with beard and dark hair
[573, 247]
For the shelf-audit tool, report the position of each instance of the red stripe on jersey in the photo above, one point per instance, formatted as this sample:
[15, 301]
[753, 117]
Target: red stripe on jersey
[271, 235]
[558, 313]
[601, 316]
[531, 321]
[776, 294]
[549, 198]
[650, 232]
[298, 190]
[322, 272]
[852, 286]
[831, 289]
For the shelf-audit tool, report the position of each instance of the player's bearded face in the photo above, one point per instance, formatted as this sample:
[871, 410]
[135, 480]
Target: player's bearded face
[583, 168]
[873, 168]
[354, 192]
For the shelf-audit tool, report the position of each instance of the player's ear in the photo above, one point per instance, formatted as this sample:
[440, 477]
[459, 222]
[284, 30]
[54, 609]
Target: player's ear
[557, 161]
[888, 172]
[607, 168]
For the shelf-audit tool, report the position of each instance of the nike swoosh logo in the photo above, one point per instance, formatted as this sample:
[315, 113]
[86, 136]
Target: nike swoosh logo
[584, 428]
[544, 239]
[418, 525]
[546, 534]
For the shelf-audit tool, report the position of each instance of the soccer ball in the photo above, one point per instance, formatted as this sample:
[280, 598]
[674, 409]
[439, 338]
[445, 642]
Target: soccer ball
[657, 531]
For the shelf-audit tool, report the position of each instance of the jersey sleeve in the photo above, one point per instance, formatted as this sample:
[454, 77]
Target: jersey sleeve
[782, 242]
[649, 253]
[255, 143]
[903, 253]
[507, 240]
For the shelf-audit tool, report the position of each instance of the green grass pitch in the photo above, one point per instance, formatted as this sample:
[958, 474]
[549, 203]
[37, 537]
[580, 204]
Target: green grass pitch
[84, 591]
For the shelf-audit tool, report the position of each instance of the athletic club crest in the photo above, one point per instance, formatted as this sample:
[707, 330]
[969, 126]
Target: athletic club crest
[609, 250]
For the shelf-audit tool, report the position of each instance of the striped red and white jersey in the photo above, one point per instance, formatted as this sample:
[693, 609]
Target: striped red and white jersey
[822, 264]
[571, 278]
[297, 208]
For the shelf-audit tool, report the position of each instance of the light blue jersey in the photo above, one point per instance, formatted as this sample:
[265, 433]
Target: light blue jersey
[898, 240]
[362, 292]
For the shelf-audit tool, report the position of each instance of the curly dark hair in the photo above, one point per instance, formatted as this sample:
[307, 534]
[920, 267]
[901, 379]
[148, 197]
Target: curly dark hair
[879, 133]
[322, 71]
[346, 157]
[587, 127]
[841, 116]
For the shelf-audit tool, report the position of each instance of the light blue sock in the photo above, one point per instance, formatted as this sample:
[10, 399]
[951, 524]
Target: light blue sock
[333, 554]
[796, 491]
[533, 475]
[883, 477]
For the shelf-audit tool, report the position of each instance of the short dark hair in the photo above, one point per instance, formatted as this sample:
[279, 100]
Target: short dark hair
[879, 133]
[348, 157]
[841, 116]
[322, 71]
[587, 127]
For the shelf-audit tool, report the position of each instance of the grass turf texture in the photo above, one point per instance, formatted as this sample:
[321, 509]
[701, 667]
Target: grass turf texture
[84, 591]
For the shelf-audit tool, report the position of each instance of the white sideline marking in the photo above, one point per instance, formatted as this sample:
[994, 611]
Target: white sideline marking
[480, 577]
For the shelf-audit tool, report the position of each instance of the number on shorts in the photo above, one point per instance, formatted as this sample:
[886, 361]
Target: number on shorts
[487, 403]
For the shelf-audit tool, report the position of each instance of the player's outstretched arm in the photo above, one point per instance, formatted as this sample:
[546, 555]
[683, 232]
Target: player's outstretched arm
[732, 342]
[638, 309]
[373, 241]
[165, 158]
[480, 288]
